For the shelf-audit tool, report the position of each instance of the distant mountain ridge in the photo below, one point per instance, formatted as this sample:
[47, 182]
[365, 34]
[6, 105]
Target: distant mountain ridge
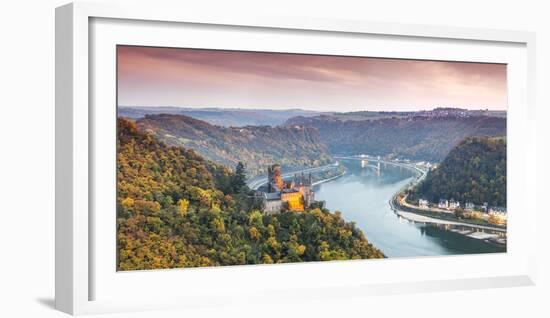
[226, 117]
[416, 138]
[256, 146]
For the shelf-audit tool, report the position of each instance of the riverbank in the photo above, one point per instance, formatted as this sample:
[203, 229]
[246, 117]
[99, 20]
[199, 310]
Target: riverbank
[490, 234]
[448, 221]
[328, 179]
[446, 216]
[426, 217]
[362, 195]
[468, 230]
[411, 216]
[258, 181]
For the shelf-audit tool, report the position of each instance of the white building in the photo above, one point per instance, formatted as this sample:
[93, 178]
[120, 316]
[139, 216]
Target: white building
[454, 204]
[498, 214]
[443, 204]
[423, 203]
[485, 207]
[498, 211]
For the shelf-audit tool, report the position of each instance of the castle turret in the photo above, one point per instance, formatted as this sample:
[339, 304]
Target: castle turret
[274, 177]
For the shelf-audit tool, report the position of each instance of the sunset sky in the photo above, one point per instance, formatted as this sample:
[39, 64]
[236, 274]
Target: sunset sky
[206, 78]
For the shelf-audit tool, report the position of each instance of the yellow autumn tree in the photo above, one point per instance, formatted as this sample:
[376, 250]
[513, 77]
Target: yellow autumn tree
[128, 202]
[300, 249]
[271, 230]
[254, 233]
[266, 259]
[183, 206]
[218, 224]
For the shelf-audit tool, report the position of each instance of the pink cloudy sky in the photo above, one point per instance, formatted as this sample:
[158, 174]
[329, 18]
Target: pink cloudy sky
[205, 78]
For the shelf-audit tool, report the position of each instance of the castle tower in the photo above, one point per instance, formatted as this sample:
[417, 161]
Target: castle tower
[274, 177]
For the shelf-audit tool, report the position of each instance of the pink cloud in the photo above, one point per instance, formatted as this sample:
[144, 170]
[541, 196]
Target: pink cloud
[191, 77]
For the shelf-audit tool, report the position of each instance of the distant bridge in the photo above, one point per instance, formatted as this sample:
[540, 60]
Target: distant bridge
[379, 161]
[366, 164]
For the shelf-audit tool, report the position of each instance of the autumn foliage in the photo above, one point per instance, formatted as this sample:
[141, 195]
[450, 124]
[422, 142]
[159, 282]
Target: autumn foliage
[474, 171]
[176, 209]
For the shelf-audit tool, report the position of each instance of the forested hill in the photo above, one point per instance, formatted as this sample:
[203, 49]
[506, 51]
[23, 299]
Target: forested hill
[415, 138]
[473, 171]
[176, 209]
[220, 116]
[256, 146]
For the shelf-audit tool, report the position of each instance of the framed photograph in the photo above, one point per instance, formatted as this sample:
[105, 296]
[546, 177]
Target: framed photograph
[238, 158]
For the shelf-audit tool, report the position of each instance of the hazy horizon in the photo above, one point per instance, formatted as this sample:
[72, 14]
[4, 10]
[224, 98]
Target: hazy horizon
[173, 77]
[251, 108]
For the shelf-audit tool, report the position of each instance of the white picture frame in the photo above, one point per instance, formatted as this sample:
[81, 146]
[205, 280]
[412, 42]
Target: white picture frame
[80, 262]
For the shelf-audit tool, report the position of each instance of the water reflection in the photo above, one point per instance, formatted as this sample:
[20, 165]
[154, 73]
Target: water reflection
[459, 242]
[362, 196]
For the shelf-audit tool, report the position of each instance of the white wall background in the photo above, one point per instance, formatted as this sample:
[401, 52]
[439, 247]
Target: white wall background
[27, 157]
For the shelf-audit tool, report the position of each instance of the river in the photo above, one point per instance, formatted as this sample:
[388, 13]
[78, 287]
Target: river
[362, 195]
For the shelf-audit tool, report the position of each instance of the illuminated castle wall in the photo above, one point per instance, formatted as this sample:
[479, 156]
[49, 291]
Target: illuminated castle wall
[295, 195]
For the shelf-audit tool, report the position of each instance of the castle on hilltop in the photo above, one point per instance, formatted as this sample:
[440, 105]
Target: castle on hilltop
[279, 195]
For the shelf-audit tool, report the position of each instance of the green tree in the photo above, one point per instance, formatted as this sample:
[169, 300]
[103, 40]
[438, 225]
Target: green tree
[239, 178]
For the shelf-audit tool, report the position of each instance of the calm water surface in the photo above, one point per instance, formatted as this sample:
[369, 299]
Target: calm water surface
[362, 196]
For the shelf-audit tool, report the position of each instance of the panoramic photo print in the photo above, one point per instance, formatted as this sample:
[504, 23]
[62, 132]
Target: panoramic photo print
[237, 158]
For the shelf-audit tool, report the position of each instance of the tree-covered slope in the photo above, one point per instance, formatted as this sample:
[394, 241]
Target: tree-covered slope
[416, 138]
[226, 117]
[475, 171]
[256, 146]
[176, 209]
